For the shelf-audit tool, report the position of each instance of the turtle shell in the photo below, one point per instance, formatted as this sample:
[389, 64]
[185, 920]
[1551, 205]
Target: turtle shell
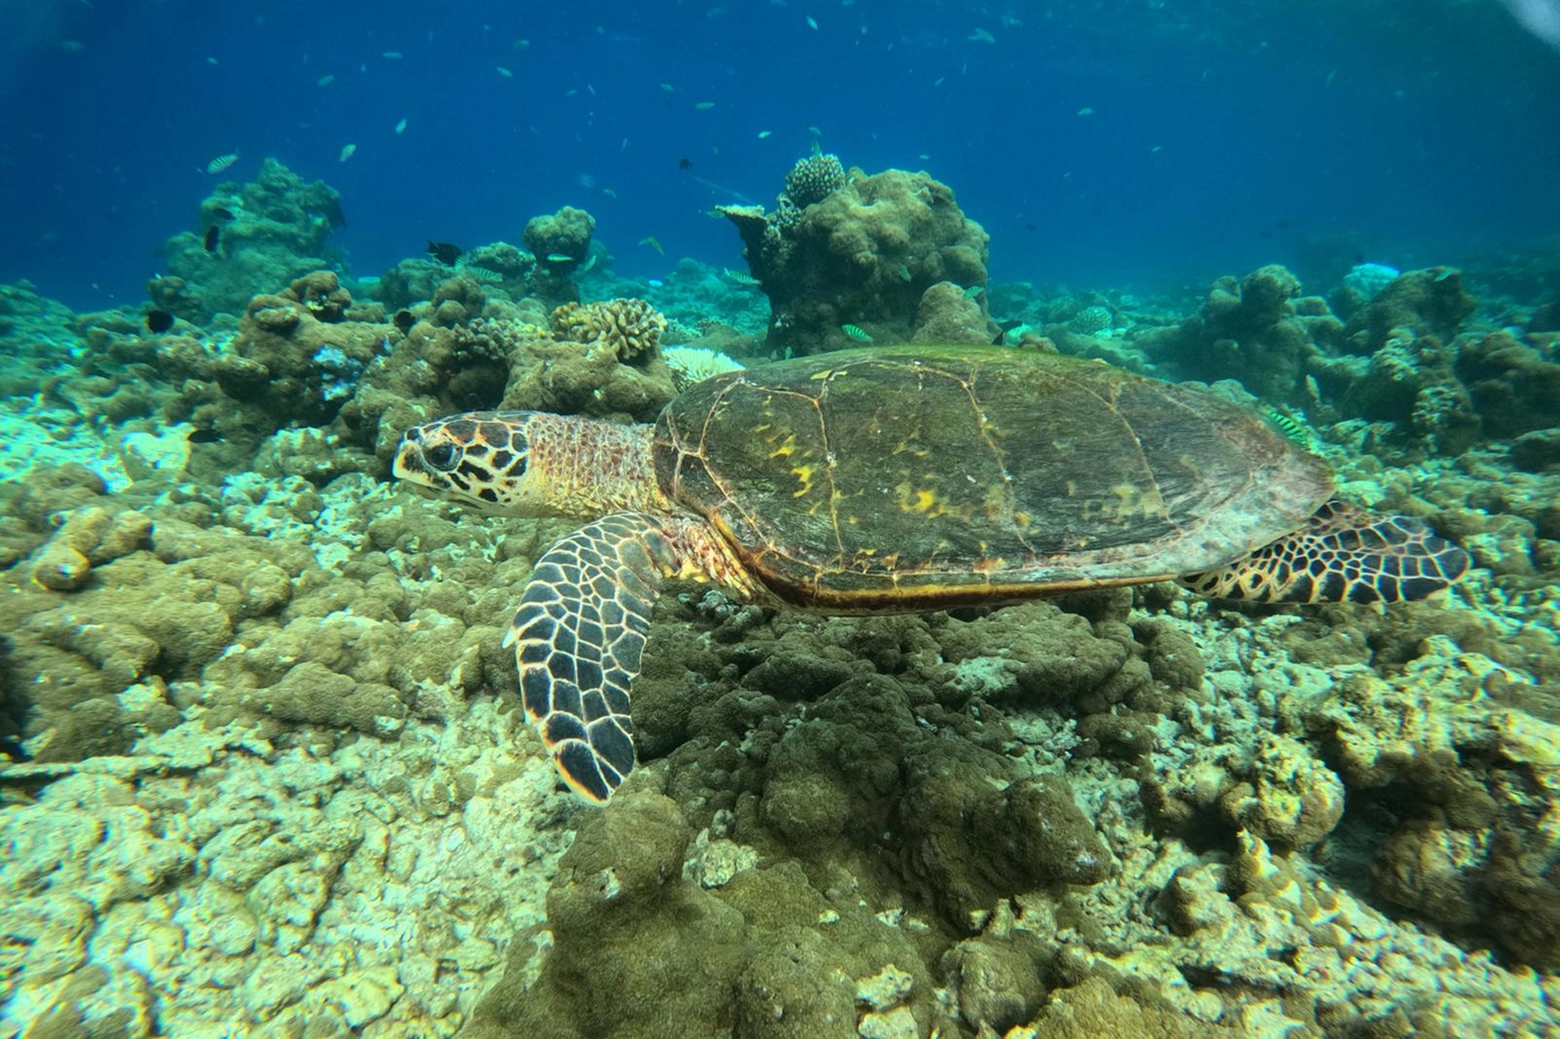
[929, 477]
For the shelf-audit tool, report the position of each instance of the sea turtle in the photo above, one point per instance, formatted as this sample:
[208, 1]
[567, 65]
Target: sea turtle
[896, 480]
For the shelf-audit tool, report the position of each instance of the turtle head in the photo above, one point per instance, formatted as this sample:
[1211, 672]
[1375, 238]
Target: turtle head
[483, 457]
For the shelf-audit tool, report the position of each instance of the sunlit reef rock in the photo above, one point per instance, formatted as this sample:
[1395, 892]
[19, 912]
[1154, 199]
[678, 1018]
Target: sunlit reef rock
[860, 252]
[269, 231]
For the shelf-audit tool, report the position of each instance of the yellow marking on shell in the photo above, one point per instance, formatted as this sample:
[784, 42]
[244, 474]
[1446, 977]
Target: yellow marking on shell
[787, 447]
[916, 499]
[804, 475]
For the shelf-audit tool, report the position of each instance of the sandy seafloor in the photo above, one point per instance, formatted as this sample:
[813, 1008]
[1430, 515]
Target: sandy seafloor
[268, 775]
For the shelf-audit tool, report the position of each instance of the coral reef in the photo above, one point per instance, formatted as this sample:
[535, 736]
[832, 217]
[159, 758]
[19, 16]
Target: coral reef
[859, 250]
[265, 772]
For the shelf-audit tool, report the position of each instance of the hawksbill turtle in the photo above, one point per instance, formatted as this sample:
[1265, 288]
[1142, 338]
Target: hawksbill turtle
[896, 480]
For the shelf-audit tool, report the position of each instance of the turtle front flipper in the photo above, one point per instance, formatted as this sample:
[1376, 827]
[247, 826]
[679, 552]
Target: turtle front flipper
[1343, 554]
[578, 635]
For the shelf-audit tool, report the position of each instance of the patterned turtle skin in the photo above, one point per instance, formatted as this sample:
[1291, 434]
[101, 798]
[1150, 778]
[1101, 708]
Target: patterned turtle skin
[897, 480]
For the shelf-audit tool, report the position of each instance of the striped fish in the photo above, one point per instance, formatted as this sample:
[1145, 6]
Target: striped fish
[221, 162]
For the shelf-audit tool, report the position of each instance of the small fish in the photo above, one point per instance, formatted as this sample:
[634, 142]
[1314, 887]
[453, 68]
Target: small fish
[904, 273]
[981, 36]
[860, 335]
[392, 55]
[400, 127]
[684, 163]
[559, 258]
[1085, 111]
[609, 192]
[204, 436]
[668, 88]
[325, 80]
[764, 133]
[973, 291]
[504, 72]
[1009, 328]
[590, 261]
[445, 252]
[221, 162]
[158, 321]
[222, 212]
[480, 273]
[213, 233]
[704, 106]
[740, 278]
[347, 151]
[815, 132]
[1289, 426]
[521, 44]
[812, 23]
[653, 242]
[404, 320]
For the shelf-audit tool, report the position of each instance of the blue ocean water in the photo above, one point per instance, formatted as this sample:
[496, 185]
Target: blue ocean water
[1154, 142]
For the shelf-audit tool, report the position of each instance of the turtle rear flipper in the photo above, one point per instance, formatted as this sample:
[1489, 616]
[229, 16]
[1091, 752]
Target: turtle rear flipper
[578, 635]
[1343, 554]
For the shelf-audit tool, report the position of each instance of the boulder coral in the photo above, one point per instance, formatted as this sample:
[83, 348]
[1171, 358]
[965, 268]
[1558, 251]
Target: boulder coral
[864, 252]
[298, 356]
[1248, 329]
[270, 231]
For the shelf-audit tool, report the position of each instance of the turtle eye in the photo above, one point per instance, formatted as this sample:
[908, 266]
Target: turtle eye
[440, 456]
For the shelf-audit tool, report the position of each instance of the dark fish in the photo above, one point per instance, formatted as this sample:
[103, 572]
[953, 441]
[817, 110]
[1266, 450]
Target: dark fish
[445, 252]
[158, 321]
[1264, 233]
[404, 320]
[222, 212]
[205, 436]
[1030, 227]
[334, 215]
[684, 164]
[213, 233]
[1284, 223]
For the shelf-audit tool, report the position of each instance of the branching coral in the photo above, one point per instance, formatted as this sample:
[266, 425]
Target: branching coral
[631, 327]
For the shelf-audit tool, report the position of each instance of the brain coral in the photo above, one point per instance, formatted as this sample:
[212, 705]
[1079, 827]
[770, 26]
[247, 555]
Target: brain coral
[631, 326]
